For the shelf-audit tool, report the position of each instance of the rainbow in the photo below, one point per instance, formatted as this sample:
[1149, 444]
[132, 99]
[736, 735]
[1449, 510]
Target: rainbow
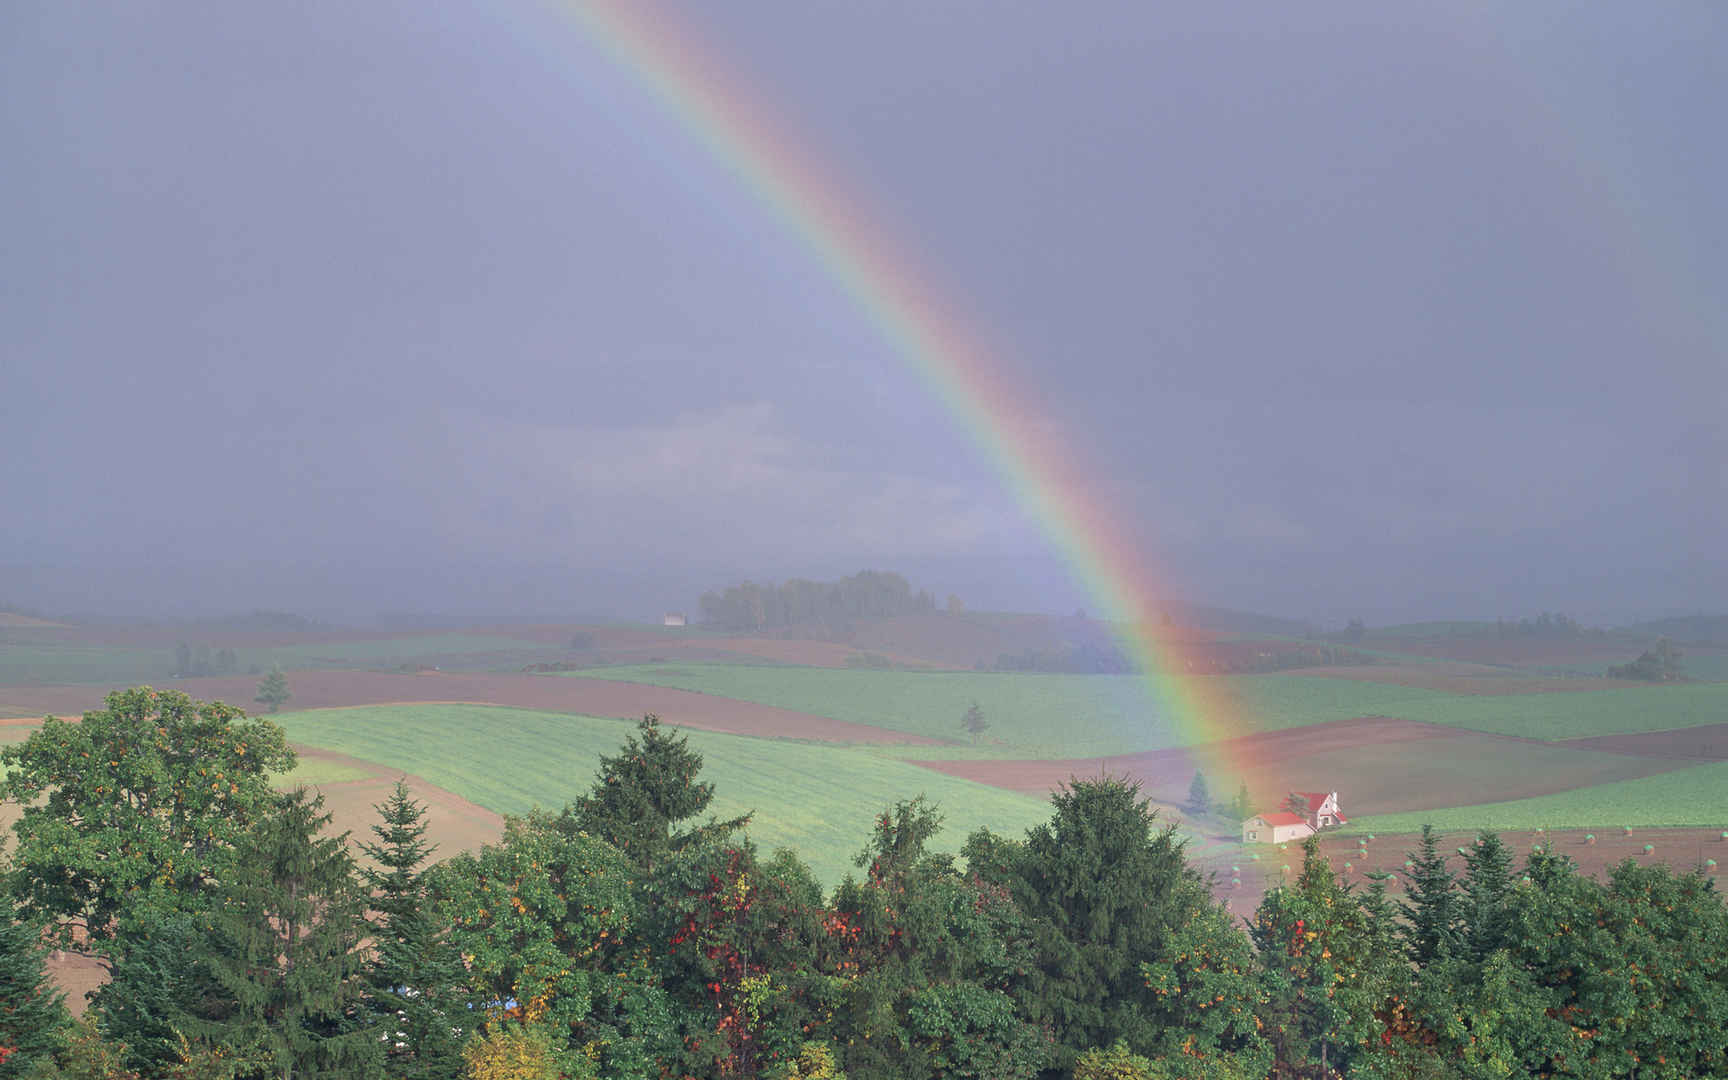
[719, 110]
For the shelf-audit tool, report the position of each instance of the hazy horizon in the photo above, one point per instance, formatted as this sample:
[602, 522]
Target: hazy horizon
[1386, 314]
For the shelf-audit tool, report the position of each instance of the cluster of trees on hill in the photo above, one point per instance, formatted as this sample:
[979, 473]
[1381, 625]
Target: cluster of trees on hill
[197, 661]
[867, 594]
[1659, 664]
[628, 935]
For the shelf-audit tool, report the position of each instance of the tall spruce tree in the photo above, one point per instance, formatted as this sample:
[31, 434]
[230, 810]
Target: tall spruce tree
[285, 946]
[1433, 910]
[1199, 794]
[33, 1020]
[1106, 888]
[1487, 888]
[640, 794]
[414, 969]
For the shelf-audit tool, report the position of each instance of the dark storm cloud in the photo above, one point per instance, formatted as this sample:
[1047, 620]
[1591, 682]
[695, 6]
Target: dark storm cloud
[1353, 309]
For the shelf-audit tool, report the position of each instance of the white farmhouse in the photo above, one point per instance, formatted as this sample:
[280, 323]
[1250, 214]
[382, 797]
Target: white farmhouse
[1275, 827]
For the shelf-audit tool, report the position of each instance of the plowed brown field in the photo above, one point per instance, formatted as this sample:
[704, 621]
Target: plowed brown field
[587, 697]
[1385, 765]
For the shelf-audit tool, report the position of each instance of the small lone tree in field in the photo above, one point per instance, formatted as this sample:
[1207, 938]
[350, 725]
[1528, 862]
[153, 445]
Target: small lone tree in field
[1199, 794]
[273, 690]
[974, 721]
[1243, 807]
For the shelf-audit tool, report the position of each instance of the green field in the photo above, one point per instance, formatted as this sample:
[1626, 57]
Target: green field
[1052, 716]
[38, 661]
[1695, 796]
[1572, 716]
[818, 799]
[315, 771]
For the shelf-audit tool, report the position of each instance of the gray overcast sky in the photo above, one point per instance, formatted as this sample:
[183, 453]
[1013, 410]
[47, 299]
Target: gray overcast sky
[1355, 308]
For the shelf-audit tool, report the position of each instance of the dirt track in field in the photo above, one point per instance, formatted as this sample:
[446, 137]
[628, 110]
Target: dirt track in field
[550, 693]
[1386, 766]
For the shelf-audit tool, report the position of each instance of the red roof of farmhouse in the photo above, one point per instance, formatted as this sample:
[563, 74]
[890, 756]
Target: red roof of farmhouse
[1312, 798]
[1283, 817]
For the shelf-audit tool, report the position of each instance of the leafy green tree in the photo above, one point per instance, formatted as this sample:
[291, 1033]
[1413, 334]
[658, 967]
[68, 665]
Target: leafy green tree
[1207, 992]
[1625, 978]
[1433, 910]
[736, 943]
[641, 794]
[1331, 976]
[136, 808]
[921, 958]
[974, 722]
[285, 946]
[1105, 889]
[414, 970]
[273, 690]
[1116, 1063]
[547, 924]
[1199, 794]
[33, 1020]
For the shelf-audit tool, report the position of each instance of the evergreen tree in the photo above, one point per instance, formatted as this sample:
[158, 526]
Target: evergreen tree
[273, 690]
[1199, 794]
[161, 979]
[1106, 888]
[33, 1020]
[974, 722]
[414, 970]
[1243, 808]
[1487, 888]
[286, 947]
[1433, 909]
[640, 794]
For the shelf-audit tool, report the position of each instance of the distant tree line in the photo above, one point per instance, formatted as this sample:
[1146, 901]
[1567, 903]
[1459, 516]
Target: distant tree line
[1215, 658]
[1078, 658]
[633, 935]
[1548, 624]
[199, 661]
[868, 594]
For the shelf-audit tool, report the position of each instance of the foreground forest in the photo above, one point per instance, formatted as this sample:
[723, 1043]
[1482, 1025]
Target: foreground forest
[629, 934]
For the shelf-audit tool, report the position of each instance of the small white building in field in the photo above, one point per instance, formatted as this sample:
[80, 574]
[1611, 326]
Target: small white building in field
[1304, 814]
[1275, 827]
[675, 618]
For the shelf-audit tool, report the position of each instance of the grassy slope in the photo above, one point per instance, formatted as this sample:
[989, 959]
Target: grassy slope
[815, 798]
[1567, 716]
[1695, 796]
[1030, 715]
